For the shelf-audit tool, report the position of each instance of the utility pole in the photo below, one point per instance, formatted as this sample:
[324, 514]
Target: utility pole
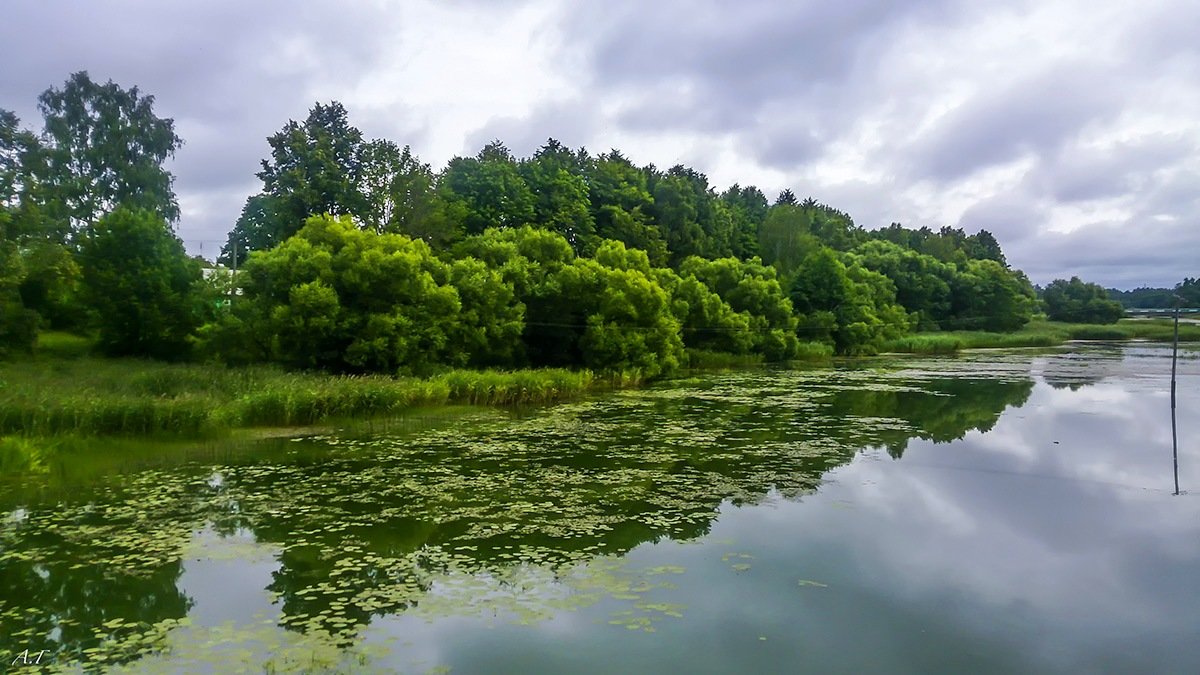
[233, 279]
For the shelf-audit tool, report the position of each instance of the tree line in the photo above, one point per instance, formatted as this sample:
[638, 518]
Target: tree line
[1186, 293]
[356, 256]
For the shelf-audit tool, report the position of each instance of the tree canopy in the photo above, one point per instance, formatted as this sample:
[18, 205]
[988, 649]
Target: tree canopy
[1077, 301]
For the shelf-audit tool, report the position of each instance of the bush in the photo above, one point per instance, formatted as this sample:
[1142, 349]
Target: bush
[141, 284]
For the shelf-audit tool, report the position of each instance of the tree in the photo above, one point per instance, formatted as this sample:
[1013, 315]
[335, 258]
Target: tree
[18, 324]
[610, 316]
[141, 284]
[850, 306]
[748, 208]
[1188, 291]
[105, 148]
[1076, 301]
[316, 167]
[677, 213]
[985, 295]
[488, 189]
[785, 237]
[258, 228]
[752, 288]
[922, 282]
[983, 246]
[22, 163]
[622, 205]
[555, 177]
[400, 195]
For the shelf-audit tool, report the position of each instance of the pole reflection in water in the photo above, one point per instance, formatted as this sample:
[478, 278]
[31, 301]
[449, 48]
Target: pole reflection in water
[1174, 432]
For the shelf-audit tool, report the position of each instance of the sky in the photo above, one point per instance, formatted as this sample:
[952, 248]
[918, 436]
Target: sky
[1067, 128]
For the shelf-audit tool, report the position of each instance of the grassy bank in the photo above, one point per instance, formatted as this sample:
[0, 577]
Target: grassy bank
[76, 394]
[1041, 334]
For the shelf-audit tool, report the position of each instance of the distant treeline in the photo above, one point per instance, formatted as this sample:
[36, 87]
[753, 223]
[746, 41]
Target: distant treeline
[355, 256]
[1188, 292]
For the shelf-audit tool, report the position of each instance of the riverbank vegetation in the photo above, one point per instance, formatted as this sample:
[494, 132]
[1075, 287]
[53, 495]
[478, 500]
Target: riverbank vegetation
[1042, 333]
[91, 396]
[367, 282]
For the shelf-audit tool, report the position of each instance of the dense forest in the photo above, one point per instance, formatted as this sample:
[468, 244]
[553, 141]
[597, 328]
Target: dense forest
[356, 256]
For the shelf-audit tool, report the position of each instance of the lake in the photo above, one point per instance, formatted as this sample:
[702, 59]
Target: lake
[999, 511]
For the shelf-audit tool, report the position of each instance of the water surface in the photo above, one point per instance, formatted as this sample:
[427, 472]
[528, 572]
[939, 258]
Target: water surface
[1007, 511]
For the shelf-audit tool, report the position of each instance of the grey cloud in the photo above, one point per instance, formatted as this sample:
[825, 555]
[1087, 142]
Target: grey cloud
[572, 123]
[229, 73]
[1036, 115]
[1084, 174]
[722, 66]
[785, 149]
[1122, 255]
[1011, 217]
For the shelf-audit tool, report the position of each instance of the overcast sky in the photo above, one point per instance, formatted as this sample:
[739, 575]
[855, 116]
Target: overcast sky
[1068, 128]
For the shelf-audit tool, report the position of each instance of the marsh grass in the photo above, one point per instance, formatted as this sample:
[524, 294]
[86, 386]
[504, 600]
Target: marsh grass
[704, 359]
[87, 396]
[1042, 334]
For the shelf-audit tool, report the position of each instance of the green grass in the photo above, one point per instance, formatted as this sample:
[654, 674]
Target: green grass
[92, 396]
[62, 345]
[814, 351]
[704, 359]
[1042, 334]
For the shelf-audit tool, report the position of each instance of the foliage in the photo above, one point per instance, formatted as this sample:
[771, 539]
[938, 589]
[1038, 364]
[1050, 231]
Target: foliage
[851, 307]
[751, 288]
[105, 148]
[622, 206]
[88, 396]
[141, 285]
[315, 168]
[987, 296]
[488, 190]
[1076, 301]
[922, 281]
[555, 176]
[51, 284]
[1042, 334]
[341, 298]
[18, 324]
[947, 244]
[785, 237]
[1188, 292]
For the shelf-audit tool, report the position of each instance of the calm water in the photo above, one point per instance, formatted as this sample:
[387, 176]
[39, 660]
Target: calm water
[1000, 512]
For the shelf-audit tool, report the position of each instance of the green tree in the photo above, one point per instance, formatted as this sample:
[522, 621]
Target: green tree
[611, 316]
[1077, 301]
[748, 208]
[849, 306]
[344, 299]
[400, 195]
[105, 148]
[258, 228]
[751, 288]
[922, 282]
[785, 237]
[51, 284]
[18, 324]
[316, 167]
[555, 176]
[23, 214]
[983, 246]
[622, 205]
[488, 190]
[676, 213]
[141, 284]
[987, 296]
